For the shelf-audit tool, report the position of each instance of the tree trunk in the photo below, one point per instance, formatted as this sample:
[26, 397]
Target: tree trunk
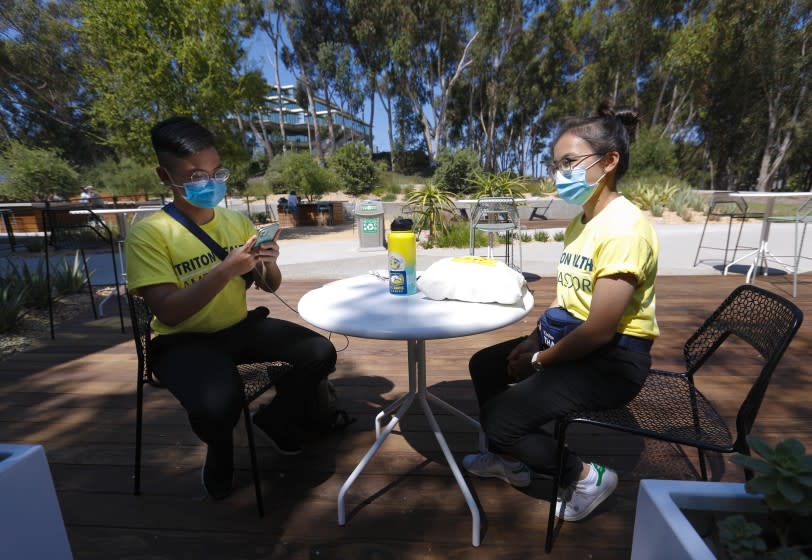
[265, 141]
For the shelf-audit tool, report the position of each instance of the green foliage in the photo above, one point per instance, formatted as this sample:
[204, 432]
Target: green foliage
[146, 61]
[783, 475]
[33, 282]
[456, 170]
[648, 195]
[298, 171]
[504, 184]
[652, 153]
[353, 165]
[741, 538]
[540, 187]
[431, 208]
[457, 235]
[558, 236]
[541, 236]
[126, 176]
[69, 278]
[34, 173]
[12, 305]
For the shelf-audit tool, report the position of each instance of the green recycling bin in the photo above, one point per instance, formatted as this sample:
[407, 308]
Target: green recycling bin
[370, 225]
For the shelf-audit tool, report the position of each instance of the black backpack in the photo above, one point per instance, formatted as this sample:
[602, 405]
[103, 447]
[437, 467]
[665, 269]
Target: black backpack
[322, 411]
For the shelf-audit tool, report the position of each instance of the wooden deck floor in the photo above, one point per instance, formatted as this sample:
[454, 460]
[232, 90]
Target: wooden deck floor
[75, 396]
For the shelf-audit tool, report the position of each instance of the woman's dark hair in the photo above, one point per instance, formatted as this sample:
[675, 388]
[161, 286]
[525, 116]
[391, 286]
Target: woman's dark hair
[180, 137]
[609, 130]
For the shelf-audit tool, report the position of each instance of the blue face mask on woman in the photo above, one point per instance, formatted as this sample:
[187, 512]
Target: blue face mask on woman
[572, 186]
[205, 194]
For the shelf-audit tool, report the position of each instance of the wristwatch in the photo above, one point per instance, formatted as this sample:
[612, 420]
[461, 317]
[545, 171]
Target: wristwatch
[537, 366]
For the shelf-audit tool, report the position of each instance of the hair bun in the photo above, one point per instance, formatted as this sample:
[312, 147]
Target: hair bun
[627, 115]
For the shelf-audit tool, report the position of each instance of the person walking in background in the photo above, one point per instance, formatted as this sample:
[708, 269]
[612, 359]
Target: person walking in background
[202, 325]
[591, 347]
[90, 196]
[293, 206]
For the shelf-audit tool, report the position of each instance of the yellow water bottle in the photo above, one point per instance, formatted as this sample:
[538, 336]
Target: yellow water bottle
[402, 252]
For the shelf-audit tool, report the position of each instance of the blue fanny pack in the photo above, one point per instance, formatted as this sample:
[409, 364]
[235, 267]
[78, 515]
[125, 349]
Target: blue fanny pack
[557, 322]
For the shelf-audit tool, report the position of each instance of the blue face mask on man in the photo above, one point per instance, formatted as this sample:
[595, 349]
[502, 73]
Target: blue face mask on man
[205, 194]
[572, 186]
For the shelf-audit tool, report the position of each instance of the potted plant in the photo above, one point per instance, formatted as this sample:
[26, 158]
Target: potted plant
[783, 478]
[768, 517]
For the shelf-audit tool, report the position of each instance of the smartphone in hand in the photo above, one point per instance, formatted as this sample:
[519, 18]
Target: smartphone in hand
[265, 235]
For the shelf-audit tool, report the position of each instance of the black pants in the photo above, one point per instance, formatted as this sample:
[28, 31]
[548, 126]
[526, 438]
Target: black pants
[512, 414]
[200, 370]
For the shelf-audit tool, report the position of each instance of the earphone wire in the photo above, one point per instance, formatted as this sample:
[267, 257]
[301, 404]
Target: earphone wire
[329, 333]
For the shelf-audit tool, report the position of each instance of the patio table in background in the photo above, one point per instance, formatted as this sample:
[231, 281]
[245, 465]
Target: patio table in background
[763, 254]
[362, 306]
[121, 215]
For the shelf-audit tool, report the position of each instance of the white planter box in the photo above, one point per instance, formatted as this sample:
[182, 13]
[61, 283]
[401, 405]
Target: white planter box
[661, 529]
[30, 520]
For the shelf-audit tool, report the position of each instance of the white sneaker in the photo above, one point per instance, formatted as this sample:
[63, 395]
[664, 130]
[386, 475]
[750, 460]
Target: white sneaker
[582, 498]
[492, 465]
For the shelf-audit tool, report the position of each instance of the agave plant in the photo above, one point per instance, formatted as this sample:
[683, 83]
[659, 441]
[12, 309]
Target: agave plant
[431, 208]
[70, 278]
[503, 184]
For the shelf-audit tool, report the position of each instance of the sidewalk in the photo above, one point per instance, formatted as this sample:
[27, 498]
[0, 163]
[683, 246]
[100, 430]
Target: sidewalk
[330, 259]
[306, 253]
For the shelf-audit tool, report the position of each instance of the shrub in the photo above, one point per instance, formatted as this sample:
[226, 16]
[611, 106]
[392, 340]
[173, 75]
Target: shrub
[431, 208]
[34, 173]
[458, 235]
[12, 308]
[558, 236]
[34, 283]
[353, 165]
[69, 278]
[455, 170]
[502, 184]
[541, 236]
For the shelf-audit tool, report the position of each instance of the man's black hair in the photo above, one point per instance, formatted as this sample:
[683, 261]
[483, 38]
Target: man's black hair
[180, 137]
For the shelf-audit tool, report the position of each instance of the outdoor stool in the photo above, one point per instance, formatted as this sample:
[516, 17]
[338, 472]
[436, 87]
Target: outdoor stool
[801, 219]
[256, 378]
[726, 204]
[670, 408]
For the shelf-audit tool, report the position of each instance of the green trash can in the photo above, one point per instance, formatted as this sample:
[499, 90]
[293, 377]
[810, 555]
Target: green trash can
[370, 225]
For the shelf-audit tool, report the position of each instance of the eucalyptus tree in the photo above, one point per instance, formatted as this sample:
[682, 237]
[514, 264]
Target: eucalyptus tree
[430, 53]
[42, 90]
[150, 60]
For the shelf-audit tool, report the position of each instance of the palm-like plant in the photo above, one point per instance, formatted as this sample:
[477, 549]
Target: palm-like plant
[430, 208]
[505, 184]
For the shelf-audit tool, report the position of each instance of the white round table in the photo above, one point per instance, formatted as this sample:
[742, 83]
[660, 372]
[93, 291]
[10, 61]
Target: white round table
[362, 306]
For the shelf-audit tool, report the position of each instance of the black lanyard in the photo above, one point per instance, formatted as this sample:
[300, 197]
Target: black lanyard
[198, 232]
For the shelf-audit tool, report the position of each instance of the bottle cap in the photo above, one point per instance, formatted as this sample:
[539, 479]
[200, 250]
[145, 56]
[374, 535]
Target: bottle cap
[402, 224]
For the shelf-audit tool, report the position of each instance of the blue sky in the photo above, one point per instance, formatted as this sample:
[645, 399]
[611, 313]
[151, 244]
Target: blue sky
[259, 45]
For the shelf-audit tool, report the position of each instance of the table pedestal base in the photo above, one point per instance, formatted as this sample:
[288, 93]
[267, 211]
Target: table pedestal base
[396, 410]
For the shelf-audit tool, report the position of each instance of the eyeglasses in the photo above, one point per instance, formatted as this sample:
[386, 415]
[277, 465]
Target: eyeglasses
[566, 163]
[221, 174]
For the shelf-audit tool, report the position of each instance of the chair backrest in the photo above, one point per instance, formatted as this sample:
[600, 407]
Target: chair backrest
[141, 317]
[81, 229]
[726, 203]
[495, 210]
[765, 321]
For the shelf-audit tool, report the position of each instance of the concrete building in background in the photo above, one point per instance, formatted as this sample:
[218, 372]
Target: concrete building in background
[298, 123]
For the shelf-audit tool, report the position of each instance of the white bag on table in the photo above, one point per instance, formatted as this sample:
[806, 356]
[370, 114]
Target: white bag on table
[471, 278]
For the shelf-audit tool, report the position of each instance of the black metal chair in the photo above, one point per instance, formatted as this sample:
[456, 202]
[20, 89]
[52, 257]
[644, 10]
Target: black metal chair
[670, 407]
[256, 378]
[72, 227]
[724, 204]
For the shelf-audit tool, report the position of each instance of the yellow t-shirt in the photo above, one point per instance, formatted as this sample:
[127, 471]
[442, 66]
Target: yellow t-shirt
[618, 240]
[160, 250]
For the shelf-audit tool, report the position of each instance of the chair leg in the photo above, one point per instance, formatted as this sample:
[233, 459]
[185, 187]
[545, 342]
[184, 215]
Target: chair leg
[249, 429]
[560, 435]
[139, 415]
[701, 238]
[702, 467]
[90, 286]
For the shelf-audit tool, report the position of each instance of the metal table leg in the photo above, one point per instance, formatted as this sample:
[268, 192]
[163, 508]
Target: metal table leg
[417, 388]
